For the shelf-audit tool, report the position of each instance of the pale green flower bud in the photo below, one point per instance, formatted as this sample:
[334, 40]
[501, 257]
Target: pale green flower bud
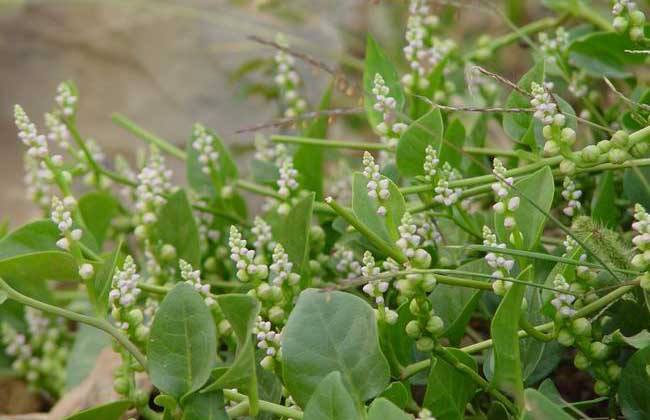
[620, 24]
[581, 326]
[569, 135]
[424, 344]
[614, 371]
[168, 252]
[620, 138]
[604, 146]
[565, 338]
[551, 148]
[581, 361]
[567, 167]
[413, 329]
[616, 155]
[590, 154]
[601, 388]
[636, 33]
[422, 259]
[599, 351]
[637, 18]
[435, 325]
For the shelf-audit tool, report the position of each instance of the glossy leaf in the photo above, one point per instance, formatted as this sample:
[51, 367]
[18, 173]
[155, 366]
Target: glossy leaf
[603, 209]
[182, 344]
[365, 208]
[382, 408]
[455, 305]
[538, 407]
[30, 252]
[603, 54]
[241, 312]
[308, 160]
[294, 234]
[538, 187]
[110, 411]
[638, 341]
[176, 226]
[331, 401]
[423, 132]
[97, 211]
[101, 283]
[377, 63]
[397, 394]
[634, 387]
[330, 331]
[519, 125]
[206, 406]
[448, 389]
[505, 336]
[636, 185]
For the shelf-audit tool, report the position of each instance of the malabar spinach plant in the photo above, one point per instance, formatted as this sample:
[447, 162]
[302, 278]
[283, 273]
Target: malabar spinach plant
[423, 270]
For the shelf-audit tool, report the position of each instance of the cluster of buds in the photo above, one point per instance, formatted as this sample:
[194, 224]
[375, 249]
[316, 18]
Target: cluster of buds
[261, 230]
[347, 265]
[615, 150]
[585, 276]
[562, 300]
[427, 230]
[36, 143]
[572, 195]
[445, 194]
[578, 83]
[505, 204]
[281, 275]
[58, 132]
[288, 81]
[41, 353]
[66, 99]
[204, 143]
[554, 47]
[123, 297]
[287, 180]
[269, 341]
[431, 162]
[154, 183]
[61, 215]
[38, 180]
[501, 265]
[546, 110]
[409, 242]
[426, 326]
[193, 278]
[628, 19]
[376, 287]
[204, 224]
[244, 258]
[641, 241]
[389, 129]
[423, 51]
[377, 185]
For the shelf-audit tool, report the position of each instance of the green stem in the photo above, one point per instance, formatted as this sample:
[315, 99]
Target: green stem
[339, 144]
[525, 325]
[82, 145]
[257, 189]
[240, 410]
[89, 252]
[448, 357]
[346, 214]
[148, 137]
[266, 406]
[594, 306]
[93, 322]
[589, 14]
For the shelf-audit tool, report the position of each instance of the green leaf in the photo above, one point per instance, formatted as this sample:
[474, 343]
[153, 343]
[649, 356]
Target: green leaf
[382, 408]
[97, 211]
[241, 312]
[176, 226]
[425, 131]
[376, 62]
[205, 406]
[110, 411]
[397, 346]
[448, 389]
[365, 208]
[477, 165]
[397, 394]
[603, 54]
[182, 344]
[505, 336]
[88, 344]
[636, 185]
[519, 125]
[101, 284]
[455, 305]
[30, 253]
[294, 234]
[308, 160]
[452, 147]
[538, 407]
[330, 331]
[331, 401]
[603, 209]
[538, 187]
[638, 341]
[634, 388]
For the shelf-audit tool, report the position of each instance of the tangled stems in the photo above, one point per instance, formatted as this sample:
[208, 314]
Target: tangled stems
[594, 306]
[98, 323]
[267, 406]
